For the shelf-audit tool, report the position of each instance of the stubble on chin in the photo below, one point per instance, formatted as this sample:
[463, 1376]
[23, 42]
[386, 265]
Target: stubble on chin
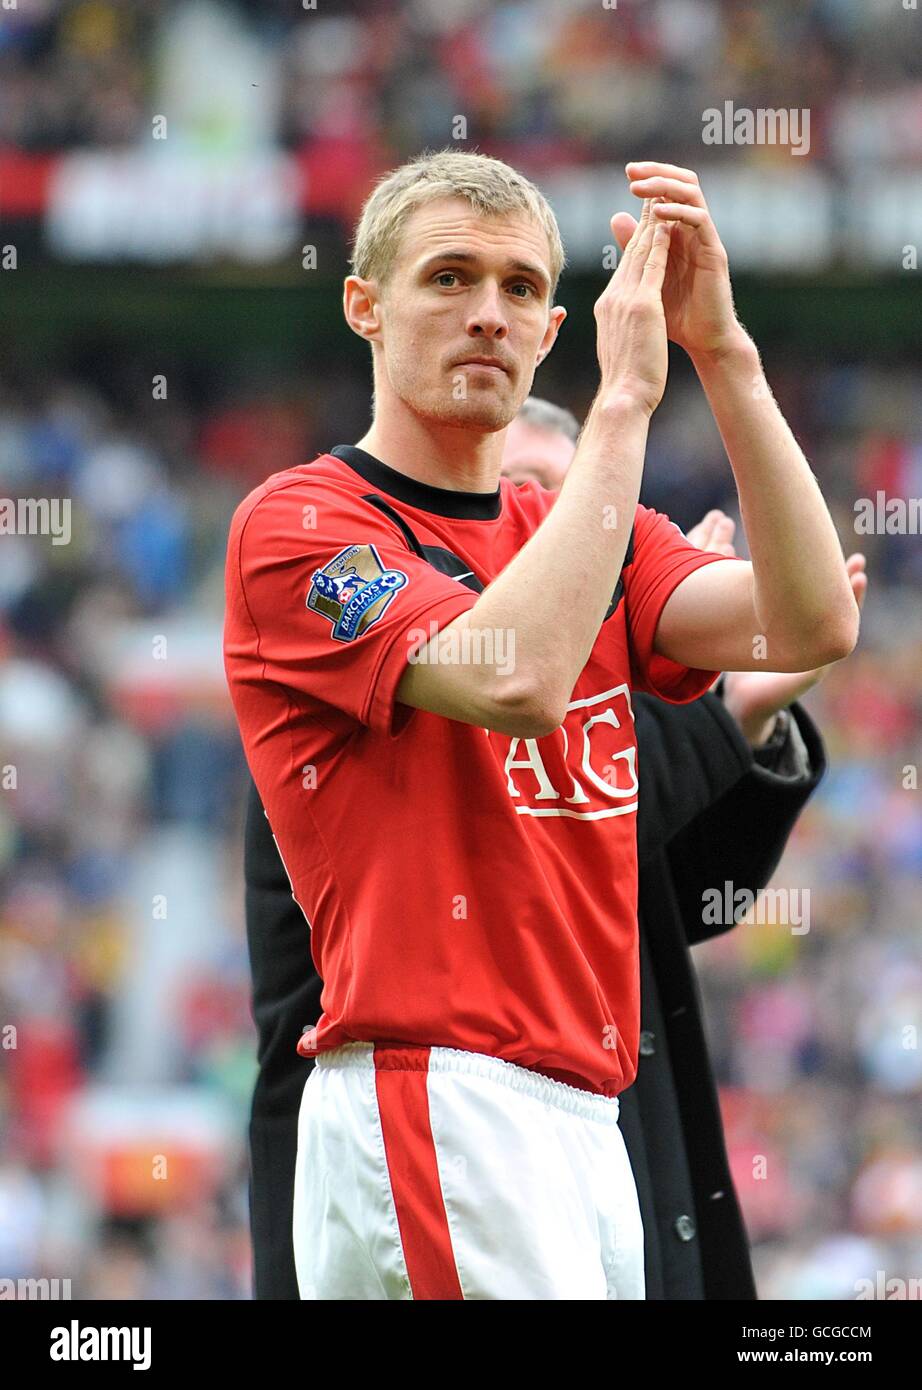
[488, 413]
[440, 401]
[479, 409]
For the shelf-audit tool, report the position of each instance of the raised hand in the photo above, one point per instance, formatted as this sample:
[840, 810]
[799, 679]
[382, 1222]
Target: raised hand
[630, 320]
[696, 293]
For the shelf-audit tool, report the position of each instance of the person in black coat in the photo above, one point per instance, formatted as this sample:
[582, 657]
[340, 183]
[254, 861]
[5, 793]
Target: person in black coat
[711, 809]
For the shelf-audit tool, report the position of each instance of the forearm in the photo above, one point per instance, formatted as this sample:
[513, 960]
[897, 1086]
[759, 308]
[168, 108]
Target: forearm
[554, 593]
[801, 591]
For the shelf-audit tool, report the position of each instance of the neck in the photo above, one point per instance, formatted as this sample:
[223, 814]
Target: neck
[441, 455]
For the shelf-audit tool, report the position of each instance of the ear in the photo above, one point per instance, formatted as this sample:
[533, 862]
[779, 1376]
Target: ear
[362, 307]
[554, 321]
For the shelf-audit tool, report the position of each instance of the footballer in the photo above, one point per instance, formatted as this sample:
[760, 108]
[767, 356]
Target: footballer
[460, 834]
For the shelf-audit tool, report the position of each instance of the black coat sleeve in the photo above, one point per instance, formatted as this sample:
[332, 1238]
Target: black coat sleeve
[688, 756]
[742, 835]
[286, 997]
[286, 986]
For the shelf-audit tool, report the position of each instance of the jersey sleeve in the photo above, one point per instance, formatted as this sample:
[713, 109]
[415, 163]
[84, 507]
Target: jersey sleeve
[663, 557]
[336, 600]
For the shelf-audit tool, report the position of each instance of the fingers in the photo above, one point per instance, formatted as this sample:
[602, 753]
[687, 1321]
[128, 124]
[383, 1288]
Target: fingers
[678, 195]
[678, 190]
[722, 536]
[860, 588]
[631, 265]
[855, 567]
[644, 168]
[702, 529]
[714, 532]
[681, 212]
[632, 340]
[654, 270]
[635, 238]
[642, 242]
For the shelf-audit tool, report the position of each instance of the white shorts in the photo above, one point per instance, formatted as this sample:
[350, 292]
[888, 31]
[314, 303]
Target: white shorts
[431, 1173]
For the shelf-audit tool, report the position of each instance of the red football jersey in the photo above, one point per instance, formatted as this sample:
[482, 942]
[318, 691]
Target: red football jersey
[463, 888]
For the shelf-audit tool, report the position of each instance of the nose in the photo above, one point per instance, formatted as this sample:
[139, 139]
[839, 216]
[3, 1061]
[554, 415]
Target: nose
[488, 318]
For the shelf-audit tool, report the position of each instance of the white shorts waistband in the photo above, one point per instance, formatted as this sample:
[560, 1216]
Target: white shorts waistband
[451, 1059]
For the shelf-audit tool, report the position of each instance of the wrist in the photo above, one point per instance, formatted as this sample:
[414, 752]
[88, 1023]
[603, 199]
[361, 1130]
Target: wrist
[756, 724]
[616, 403]
[773, 751]
[760, 731]
[736, 349]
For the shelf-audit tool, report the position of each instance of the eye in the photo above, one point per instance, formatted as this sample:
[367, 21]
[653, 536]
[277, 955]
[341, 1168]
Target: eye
[524, 285]
[443, 274]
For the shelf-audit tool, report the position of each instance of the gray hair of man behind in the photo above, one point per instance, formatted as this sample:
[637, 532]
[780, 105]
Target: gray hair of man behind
[544, 415]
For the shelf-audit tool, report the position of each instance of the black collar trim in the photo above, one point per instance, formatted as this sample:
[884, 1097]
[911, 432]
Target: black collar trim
[443, 501]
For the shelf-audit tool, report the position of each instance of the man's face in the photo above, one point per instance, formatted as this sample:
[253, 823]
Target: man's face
[466, 286]
[541, 454]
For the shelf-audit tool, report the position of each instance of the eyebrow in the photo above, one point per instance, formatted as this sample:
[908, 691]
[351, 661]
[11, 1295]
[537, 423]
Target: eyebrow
[537, 272]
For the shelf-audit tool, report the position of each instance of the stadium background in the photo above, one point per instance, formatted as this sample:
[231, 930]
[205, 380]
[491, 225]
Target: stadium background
[171, 333]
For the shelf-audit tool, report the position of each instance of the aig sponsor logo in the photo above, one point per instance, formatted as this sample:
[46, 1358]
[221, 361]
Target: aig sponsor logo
[586, 769]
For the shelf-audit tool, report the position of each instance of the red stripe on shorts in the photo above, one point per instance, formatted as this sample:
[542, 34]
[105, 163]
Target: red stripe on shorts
[403, 1101]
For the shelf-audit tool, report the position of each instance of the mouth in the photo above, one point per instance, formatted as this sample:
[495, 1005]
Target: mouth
[489, 364]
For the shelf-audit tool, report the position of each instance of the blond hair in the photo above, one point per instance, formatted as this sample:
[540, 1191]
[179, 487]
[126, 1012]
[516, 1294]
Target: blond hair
[492, 188]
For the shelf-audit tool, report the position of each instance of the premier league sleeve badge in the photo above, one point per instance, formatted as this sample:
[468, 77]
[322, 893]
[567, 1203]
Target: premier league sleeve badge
[353, 590]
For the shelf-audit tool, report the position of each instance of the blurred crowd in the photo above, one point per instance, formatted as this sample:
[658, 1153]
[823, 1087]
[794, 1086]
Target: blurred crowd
[545, 82]
[123, 975]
